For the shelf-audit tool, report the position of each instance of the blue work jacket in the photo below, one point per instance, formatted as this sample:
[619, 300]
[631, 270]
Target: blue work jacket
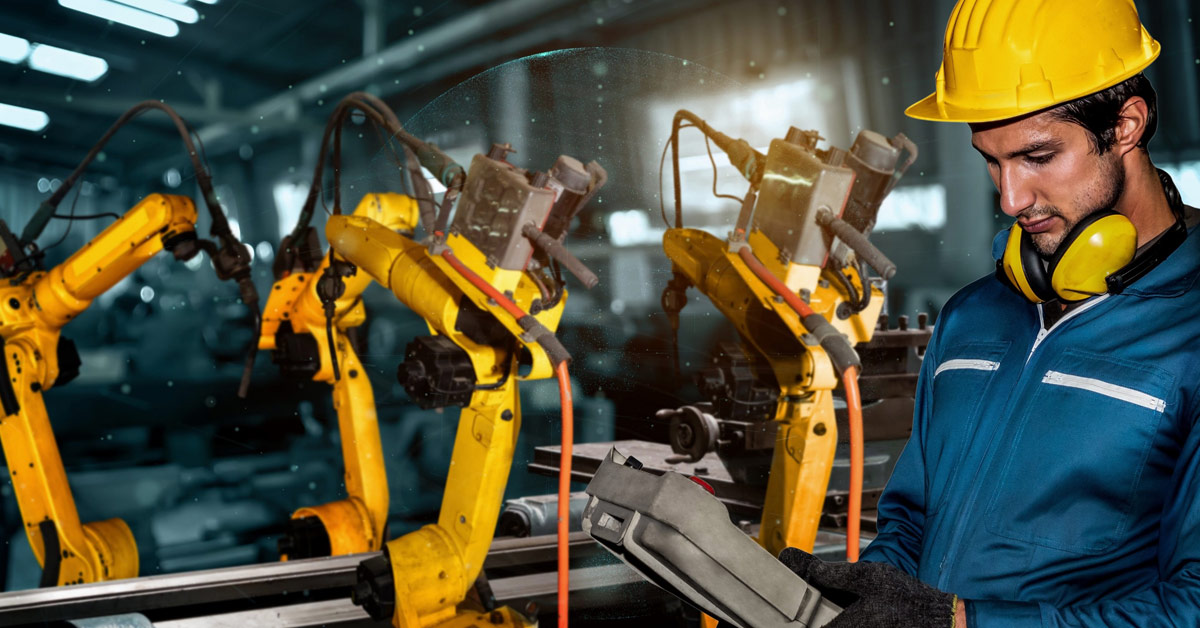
[1053, 476]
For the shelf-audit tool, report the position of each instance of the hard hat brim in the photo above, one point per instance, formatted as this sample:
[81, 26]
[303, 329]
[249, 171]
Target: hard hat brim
[928, 108]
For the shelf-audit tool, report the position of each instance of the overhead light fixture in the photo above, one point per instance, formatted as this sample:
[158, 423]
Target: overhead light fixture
[166, 8]
[13, 49]
[22, 118]
[67, 63]
[207, 1]
[52, 59]
[123, 14]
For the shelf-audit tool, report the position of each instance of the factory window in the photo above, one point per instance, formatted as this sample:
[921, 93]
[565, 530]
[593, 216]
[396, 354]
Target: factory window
[913, 206]
[289, 199]
[756, 115]
[632, 227]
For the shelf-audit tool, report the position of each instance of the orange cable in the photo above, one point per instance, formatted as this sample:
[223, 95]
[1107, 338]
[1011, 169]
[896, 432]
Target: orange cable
[777, 286]
[486, 287]
[564, 490]
[853, 404]
[854, 409]
[568, 436]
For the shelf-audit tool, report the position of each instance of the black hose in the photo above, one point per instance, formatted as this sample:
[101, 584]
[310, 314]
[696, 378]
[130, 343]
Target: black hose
[858, 242]
[220, 224]
[555, 249]
[415, 152]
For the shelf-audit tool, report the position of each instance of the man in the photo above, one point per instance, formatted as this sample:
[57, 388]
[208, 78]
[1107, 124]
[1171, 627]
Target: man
[1053, 474]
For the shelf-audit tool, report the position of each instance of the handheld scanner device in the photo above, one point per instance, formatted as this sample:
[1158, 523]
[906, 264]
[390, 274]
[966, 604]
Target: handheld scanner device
[675, 533]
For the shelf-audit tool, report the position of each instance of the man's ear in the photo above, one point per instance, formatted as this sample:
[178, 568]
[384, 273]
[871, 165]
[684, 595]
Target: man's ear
[1131, 125]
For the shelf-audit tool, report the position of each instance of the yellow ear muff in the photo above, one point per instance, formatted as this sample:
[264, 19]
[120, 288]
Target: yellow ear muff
[1018, 272]
[1097, 246]
[1092, 252]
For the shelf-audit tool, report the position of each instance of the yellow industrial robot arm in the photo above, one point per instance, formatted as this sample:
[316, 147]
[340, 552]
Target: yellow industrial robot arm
[803, 222]
[433, 568]
[294, 327]
[478, 288]
[35, 358]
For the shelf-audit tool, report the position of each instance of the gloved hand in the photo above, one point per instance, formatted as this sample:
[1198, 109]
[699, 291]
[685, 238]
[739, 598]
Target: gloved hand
[874, 595]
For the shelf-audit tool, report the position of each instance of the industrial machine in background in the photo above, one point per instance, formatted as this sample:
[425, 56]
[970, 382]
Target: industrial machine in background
[310, 324]
[490, 286]
[307, 342]
[37, 304]
[792, 278]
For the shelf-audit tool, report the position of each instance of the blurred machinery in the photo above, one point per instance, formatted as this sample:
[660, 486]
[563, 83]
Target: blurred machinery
[490, 288]
[37, 305]
[309, 341]
[792, 278]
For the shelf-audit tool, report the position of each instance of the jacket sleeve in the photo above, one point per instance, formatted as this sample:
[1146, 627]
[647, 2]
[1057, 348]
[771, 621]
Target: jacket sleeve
[1174, 601]
[901, 511]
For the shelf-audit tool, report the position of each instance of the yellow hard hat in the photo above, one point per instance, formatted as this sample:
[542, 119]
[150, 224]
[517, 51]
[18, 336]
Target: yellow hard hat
[1006, 58]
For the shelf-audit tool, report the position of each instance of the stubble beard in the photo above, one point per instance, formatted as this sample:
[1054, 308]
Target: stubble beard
[1047, 244]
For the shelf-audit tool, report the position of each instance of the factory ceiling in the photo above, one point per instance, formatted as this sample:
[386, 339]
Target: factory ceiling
[248, 70]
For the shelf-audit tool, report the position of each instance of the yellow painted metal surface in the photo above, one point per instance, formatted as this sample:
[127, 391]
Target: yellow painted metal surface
[428, 286]
[503, 617]
[32, 314]
[434, 566]
[807, 436]
[800, 466]
[355, 524]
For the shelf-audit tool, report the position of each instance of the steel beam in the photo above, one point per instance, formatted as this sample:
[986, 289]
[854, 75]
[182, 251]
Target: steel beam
[512, 591]
[140, 595]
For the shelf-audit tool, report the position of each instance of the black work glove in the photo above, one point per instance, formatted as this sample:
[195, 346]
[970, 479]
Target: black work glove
[873, 595]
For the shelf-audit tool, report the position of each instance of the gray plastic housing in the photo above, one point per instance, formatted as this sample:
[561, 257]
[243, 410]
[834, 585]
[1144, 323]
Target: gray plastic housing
[497, 202]
[679, 537]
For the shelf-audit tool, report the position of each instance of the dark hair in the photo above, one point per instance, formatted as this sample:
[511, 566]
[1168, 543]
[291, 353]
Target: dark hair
[1099, 113]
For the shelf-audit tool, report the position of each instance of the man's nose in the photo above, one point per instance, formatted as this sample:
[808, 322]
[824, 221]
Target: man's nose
[1016, 195]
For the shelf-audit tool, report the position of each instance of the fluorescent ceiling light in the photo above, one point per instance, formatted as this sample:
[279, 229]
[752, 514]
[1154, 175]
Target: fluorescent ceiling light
[13, 49]
[166, 8]
[126, 15]
[66, 63]
[22, 118]
[206, 1]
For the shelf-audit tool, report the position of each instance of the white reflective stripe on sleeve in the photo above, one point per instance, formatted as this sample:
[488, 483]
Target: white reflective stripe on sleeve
[1122, 393]
[974, 365]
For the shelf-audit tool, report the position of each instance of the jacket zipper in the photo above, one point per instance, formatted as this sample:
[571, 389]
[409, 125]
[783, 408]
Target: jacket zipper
[962, 363]
[956, 539]
[1043, 332]
[1107, 389]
